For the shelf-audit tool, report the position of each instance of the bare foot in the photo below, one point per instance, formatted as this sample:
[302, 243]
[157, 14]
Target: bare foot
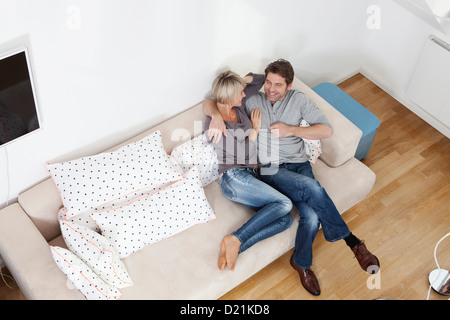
[229, 250]
[222, 259]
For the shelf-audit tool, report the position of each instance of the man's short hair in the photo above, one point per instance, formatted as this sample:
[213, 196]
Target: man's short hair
[227, 86]
[283, 68]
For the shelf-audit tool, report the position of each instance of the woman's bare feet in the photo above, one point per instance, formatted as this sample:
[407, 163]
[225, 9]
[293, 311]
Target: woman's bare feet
[229, 250]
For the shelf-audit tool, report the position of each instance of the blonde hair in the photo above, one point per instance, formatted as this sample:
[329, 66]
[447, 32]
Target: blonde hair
[227, 86]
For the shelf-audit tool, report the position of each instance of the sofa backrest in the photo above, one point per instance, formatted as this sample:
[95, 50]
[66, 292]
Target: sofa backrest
[342, 145]
[43, 201]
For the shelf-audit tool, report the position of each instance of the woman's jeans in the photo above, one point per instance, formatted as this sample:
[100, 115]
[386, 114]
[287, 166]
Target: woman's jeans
[272, 208]
[296, 180]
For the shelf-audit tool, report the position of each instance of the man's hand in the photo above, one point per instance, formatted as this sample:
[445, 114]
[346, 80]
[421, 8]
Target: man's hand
[217, 125]
[216, 128]
[281, 130]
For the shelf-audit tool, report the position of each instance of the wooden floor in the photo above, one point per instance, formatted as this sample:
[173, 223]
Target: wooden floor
[402, 219]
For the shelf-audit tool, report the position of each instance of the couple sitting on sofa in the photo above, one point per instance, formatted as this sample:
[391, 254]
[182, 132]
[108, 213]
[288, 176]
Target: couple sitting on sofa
[272, 184]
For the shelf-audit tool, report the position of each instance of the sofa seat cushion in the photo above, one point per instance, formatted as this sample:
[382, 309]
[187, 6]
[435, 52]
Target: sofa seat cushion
[346, 185]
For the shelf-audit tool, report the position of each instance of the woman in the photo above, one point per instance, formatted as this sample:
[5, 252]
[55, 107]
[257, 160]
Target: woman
[237, 155]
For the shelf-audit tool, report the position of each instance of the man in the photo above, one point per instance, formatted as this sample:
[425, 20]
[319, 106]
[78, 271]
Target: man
[291, 173]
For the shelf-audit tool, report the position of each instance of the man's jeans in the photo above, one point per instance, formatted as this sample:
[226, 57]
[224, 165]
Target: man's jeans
[272, 208]
[296, 180]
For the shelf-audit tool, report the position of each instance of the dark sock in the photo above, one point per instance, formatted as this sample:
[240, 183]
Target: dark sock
[351, 240]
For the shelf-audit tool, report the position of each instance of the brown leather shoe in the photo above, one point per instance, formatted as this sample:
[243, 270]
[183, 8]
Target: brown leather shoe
[308, 279]
[367, 260]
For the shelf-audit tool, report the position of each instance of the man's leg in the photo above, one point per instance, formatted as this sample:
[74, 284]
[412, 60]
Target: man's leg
[308, 226]
[314, 205]
[366, 260]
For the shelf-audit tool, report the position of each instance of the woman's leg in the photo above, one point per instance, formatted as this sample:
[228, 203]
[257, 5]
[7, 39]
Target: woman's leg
[272, 209]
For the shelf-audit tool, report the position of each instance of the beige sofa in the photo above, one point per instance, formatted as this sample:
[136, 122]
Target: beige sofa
[183, 266]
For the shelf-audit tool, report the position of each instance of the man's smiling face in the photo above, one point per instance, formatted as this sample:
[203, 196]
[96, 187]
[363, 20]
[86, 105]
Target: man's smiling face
[275, 87]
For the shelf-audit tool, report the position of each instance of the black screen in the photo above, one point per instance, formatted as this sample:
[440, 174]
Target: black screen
[18, 111]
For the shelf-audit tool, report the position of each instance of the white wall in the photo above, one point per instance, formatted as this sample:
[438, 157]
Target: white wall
[106, 70]
[392, 52]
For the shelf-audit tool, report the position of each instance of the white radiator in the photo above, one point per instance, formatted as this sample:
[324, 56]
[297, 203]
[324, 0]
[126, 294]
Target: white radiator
[429, 86]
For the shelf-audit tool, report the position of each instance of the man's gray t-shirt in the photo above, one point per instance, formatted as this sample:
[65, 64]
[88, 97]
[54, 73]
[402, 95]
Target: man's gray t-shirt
[291, 110]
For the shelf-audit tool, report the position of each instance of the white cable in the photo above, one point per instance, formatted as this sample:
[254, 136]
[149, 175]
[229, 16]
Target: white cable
[435, 249]
[435, 259]
[3, 278]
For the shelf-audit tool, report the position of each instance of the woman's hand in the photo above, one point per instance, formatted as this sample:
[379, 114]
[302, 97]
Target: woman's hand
[255, 117]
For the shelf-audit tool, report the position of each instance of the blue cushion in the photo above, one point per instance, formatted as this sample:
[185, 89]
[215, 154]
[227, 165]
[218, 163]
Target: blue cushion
[352, 110]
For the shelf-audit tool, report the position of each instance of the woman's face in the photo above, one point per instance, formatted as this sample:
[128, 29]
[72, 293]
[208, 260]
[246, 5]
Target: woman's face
[239, 97]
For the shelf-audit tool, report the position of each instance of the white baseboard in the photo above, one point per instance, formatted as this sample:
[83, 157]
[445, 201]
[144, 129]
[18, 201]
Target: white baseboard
[401, 98]
[346, 77]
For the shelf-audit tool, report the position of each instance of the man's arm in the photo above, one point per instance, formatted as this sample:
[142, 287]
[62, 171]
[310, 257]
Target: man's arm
[314, 132]
[217, 125]
[319, 128]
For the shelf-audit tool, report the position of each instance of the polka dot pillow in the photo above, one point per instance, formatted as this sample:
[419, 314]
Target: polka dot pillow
[313, 147]
[82, 277]
[198, 152]
[157, 216]
[98, 254]
[84, 219]
[96, 182]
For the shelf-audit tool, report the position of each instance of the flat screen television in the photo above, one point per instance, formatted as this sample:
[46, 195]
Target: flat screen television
[19, 114]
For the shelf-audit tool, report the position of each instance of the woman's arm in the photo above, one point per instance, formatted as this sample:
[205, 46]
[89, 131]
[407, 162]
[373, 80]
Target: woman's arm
[256, 124]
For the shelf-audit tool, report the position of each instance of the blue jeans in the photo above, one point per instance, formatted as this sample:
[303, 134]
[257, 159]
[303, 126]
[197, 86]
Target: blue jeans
[272, 208]
[296, 180]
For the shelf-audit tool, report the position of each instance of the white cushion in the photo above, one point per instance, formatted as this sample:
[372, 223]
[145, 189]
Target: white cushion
[313, 147]
[83, 219]
[156, 216]
[96, 182]
[82, 277]
[96, 251]
[198, 152]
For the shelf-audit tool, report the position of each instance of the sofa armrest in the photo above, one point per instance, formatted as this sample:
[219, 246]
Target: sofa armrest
[342, 145]
[27, 256]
